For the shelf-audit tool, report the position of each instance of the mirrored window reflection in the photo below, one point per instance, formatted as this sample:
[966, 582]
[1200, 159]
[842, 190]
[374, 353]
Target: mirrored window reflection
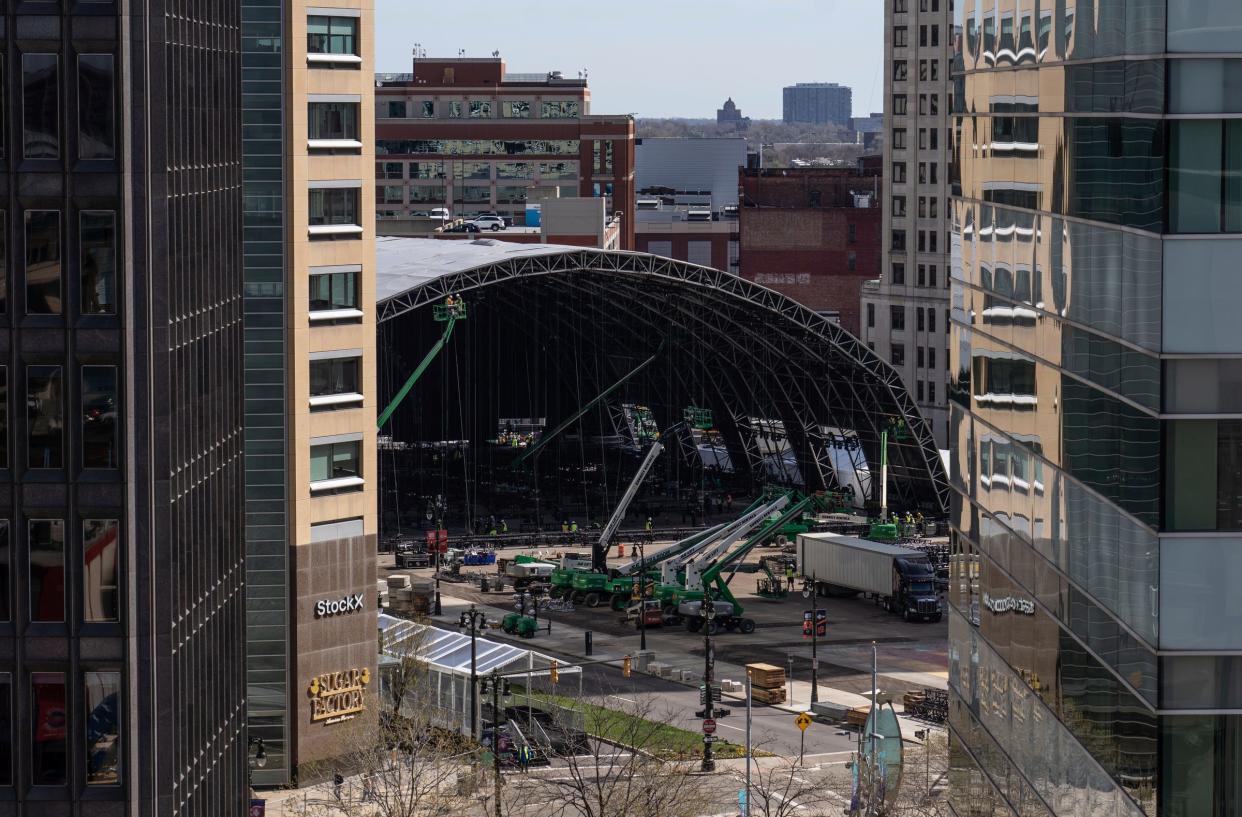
[1200, 764]
[7, 737]
[96, 107]
[334, 205]
[4, 260]
[99, 417]
[40, 106]
[45, 417]
[100, 549]
[103, 728]
[47, 569]
[49, 724]
[43, 260]
[98, 245]
[337, 290]
[333, 120]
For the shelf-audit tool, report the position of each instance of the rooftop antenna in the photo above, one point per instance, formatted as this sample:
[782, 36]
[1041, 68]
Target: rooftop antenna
[461, 52]
[496, 53]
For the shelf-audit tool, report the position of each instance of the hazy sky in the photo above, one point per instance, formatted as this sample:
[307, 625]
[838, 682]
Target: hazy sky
[656, 57]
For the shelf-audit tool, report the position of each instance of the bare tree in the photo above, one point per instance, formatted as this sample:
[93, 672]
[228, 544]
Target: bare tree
[623, 775]
[779, 787]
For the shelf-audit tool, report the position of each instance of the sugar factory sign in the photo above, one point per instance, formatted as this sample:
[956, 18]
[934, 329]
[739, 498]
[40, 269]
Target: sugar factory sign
[339, 696]
[336, 607]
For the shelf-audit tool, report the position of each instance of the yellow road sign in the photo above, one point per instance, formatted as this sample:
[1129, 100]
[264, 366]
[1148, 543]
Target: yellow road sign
[803, 720]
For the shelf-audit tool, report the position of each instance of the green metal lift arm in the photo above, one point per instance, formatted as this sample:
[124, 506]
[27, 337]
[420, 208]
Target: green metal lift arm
[422, 367]
[713, 574]
[547, 438]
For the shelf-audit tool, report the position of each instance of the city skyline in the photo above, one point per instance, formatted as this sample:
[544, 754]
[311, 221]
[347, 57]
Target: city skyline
[636, 80]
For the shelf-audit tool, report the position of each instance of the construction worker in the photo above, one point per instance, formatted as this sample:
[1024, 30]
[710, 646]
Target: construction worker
[504, 526]
[524, 757]
[789, 576]
[449, 302]
[573, 526]
[648, 525]
[564, 526]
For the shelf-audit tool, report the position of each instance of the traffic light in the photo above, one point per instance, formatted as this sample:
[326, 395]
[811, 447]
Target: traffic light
[553, 674]
[625, 666]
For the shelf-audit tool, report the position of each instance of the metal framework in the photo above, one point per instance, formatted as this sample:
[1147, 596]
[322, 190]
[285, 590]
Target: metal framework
[803, 369]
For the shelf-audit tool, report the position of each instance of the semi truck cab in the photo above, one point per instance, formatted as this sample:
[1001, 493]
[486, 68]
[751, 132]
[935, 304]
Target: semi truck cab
[914, 589]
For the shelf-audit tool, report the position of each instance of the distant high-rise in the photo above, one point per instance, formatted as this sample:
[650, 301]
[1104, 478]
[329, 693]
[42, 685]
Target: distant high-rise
[122, 560]
[906, 312]
[1095, 640]
[818, 103]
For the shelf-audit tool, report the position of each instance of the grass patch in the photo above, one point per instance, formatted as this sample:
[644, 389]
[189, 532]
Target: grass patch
[659, 739]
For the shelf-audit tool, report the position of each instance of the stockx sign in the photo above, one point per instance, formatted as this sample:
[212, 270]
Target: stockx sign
[337, 607]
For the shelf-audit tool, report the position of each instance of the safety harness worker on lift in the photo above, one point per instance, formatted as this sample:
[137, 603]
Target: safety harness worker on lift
[648, 526]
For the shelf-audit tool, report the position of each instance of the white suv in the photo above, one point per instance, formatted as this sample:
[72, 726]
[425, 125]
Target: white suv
[493, 223]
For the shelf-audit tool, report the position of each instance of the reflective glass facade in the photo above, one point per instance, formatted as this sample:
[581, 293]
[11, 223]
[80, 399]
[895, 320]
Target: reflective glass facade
[1097, 484]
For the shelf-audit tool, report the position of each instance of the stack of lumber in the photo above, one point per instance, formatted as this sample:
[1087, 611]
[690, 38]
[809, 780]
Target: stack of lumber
[858, 716]
[767, 683]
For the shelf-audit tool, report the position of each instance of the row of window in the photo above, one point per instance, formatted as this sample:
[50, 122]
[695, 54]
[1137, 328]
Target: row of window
[480, 171]
[477, 147]
[47, 577]
[928, 207]
[903, 6]
[925, 321]
[51, 706]
[45, 260]
[929, 36]
[929, 70]
[929, 139]
[97, 427]
[41, 107]
[475, 109]
[929, 173]
[928, 241]
[927, 275]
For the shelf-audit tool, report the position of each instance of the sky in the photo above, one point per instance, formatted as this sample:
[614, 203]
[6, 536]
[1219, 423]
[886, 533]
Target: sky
[656, 58]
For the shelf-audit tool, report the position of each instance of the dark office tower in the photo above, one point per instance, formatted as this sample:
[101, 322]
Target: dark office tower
[1096, 635]
[121, 552]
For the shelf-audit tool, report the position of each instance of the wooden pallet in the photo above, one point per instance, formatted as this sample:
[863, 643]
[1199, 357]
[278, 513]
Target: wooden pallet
[766, 676]
[768, 696]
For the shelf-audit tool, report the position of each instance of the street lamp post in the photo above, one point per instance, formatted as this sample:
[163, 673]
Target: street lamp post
[708, 612]
[438, 610]
[475, 619]
[808, 591]
[642, 596]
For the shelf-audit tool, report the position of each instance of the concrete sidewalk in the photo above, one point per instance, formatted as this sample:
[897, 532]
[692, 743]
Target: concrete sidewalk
[570, 641]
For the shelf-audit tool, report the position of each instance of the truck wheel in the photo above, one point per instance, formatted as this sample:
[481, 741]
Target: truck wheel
[747, 626]
[620, 602]
[591, 599]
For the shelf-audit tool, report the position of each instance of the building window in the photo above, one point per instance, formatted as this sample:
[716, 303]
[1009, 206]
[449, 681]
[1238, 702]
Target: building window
[334, 211]
[390, 170]
[899, 240]
[43, 295]
[4, 438]
[333, 120]
[870, 316]
[918, 320]
[852, 261]
[96, 107]
[97, 244]
[334, 292]
[899, 6]
[49, 729]
[103, 728]
[336, 465]
[336, 36]
[898, 354]
[560, 109]
[100, 574]
[899, 206]
[99, 417]
[1205, 176]
[923, 70]
[921, 279]
[516, 109]
[923, 36]
[899, 71]
[6, 560]
[334, 382]
[935, 35]
[899, 104]
[899, 138]
[899, 37]
[45, 416]
[931, 320]
[931, 391]
[392, 194]
[852, 233]
[918, 392]
[899, 273]
[931, 350]
[7, 737]
[931, 275]
[899, 175]
[47, 569]
[918, 357]
[394, 109]
[897, 318]
[40, 106]
[480, 109]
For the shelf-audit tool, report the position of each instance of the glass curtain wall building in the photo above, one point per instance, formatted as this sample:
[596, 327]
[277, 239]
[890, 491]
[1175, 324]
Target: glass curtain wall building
[121, 538]
[1096, 390]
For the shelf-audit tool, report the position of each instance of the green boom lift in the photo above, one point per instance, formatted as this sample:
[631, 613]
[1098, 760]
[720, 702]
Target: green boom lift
[448, 313]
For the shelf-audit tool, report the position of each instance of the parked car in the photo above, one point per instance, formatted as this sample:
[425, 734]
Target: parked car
[493, 223]
[464, 227]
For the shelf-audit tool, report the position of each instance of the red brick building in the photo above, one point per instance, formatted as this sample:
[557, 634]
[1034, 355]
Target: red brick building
[465, 135]
[813, 233]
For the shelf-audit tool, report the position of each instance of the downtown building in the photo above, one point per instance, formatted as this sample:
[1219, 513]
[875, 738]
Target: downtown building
[1095, 637]
[906, 310]
[122, 554]
[817, 103]
[311, 475]
[466, 135]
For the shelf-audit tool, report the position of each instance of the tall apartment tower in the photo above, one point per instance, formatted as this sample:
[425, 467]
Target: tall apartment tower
[817, 103]
[121, 534]
[1095, 642]
[310, 388]
[905, 314]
